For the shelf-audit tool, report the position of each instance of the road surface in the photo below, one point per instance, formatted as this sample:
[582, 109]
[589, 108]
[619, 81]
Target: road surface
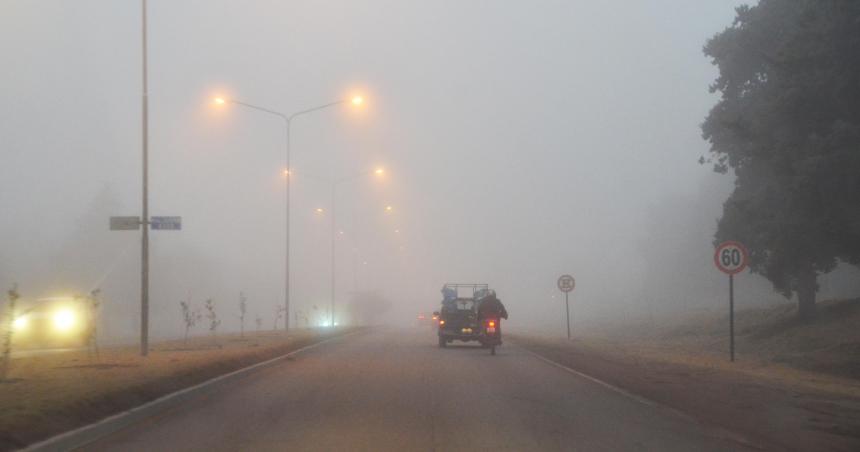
[391, 389]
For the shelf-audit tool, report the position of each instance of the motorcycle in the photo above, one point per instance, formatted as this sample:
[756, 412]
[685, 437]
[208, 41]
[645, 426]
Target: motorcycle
[491, 336]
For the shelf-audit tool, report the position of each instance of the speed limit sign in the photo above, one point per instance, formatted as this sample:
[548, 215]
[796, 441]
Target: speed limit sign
[731, 257]
[566, 283]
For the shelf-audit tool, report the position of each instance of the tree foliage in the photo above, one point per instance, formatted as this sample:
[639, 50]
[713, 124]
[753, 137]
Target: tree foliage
[788, 124]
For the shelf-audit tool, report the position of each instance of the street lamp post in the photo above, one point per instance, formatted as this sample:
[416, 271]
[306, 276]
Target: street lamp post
[333, 279]
[288, 121]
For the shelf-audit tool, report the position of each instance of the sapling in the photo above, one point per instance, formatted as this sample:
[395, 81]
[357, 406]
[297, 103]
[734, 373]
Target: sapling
[243, 307]
[93, 312]
[259, 321]
[9, 327]
[279, 312]
[212, 316]
[189, 315]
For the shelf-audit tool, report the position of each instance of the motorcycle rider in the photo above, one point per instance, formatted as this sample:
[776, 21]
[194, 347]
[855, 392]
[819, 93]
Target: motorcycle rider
[491, 307]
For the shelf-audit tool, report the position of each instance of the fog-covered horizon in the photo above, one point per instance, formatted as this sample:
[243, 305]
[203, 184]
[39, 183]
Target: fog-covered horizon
[520, 141]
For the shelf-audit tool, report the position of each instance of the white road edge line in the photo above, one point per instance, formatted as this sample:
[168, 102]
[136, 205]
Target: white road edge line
[719, 431]
[606, 385]
[116, 417]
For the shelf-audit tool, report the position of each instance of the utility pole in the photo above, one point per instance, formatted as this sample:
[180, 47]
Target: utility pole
[289, 123]
[144, 242]
[333, 240]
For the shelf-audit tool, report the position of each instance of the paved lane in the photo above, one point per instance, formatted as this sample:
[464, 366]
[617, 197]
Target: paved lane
[395, 390]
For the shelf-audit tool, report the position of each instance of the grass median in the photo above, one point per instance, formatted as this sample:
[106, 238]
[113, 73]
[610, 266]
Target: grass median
[47, 394]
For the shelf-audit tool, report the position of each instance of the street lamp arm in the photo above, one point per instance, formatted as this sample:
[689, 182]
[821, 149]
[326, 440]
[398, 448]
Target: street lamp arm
[257, 107]
[311, 110]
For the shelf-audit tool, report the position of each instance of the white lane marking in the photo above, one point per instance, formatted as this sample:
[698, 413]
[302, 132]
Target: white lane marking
[609, 386]
[117, 417]
[717, 431]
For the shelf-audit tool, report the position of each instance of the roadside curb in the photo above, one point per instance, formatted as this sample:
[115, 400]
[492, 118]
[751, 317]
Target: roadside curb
[715, 430]
[84, 435]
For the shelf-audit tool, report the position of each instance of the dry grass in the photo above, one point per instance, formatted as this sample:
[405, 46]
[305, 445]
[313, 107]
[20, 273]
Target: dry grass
[48, 394]
[771, 338]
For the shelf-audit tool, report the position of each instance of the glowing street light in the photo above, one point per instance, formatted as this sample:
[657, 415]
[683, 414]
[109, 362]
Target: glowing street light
[357, 100]
[319, 210]
[389, 208]
[379, 171]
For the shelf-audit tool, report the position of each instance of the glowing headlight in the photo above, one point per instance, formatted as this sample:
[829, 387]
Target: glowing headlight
[20, 323]
[64, 319]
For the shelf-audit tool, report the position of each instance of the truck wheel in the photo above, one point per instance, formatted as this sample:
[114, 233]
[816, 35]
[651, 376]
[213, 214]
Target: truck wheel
[442, 342]
[493, 350]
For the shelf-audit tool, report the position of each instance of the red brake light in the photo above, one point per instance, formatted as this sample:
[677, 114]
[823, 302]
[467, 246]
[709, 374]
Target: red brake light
[492, 323]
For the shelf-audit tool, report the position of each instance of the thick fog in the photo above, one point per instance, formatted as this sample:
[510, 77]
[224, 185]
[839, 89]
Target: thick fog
[520, 140]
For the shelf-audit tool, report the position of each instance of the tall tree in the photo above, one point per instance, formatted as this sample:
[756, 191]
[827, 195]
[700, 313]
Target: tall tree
[788, 124]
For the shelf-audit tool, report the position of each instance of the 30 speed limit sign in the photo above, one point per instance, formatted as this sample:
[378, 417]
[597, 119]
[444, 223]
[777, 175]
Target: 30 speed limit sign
[731, 257]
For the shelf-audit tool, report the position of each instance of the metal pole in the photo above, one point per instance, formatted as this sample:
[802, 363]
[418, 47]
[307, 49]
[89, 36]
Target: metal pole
[287, 261]
[144, 243]
[732, 316]
[333, 240]
[567, 309]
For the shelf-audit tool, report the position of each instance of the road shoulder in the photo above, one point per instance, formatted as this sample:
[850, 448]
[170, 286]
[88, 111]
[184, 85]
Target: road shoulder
[777, 411]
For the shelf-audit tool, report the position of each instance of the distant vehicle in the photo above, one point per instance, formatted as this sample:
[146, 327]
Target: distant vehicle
[423, 319]
[458, 319]
[52, 322]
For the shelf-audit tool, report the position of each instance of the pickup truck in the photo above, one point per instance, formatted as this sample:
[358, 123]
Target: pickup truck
[458, 318]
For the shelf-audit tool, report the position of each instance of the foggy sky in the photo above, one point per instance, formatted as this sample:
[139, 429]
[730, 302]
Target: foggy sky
[521, 140]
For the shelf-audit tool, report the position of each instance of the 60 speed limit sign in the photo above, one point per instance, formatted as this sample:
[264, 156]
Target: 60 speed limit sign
[731, 257]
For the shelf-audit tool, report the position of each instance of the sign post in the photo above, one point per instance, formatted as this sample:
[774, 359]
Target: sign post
[566, 283]
[730, 258]
[133, 224]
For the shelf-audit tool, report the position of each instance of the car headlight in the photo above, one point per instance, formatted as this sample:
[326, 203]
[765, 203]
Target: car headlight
[20, 323]
[64, 320]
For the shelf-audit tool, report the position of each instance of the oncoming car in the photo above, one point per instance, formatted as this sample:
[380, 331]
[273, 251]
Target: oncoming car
[52, 322]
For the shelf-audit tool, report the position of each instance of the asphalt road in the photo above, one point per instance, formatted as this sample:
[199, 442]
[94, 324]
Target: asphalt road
[396, 390]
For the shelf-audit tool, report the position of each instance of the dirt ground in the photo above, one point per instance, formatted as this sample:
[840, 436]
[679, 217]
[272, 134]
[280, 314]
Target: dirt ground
[51, 393]
[793, 386]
